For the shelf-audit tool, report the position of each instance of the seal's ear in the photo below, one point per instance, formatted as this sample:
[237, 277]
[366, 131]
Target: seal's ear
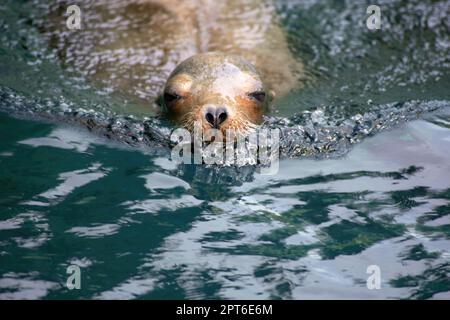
[160, 102]
[272, 95]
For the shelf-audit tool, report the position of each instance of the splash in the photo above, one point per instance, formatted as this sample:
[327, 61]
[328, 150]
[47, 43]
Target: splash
[364, 81]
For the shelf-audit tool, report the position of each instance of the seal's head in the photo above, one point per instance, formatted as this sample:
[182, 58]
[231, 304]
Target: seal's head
[215, 90]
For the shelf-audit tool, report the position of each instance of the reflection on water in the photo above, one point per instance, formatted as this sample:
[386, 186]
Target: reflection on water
[125, 47]
[125, 50]
[141, 227]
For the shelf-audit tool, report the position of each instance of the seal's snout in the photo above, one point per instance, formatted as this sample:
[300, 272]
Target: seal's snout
[215, 116]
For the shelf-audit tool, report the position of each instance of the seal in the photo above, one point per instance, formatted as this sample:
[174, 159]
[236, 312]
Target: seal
[216, 90]
[128, 48]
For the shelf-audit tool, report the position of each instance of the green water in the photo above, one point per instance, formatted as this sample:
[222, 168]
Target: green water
[142, 227]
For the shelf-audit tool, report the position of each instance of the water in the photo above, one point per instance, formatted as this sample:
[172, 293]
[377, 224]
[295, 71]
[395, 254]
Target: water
[140, 226]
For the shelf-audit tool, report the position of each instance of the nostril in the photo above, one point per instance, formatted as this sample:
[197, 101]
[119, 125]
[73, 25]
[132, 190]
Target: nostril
[216, 116]
[221, 115]
[209, 117]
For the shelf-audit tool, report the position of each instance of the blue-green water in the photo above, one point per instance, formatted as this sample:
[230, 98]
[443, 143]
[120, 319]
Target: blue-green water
[377, 191]
[142, 228]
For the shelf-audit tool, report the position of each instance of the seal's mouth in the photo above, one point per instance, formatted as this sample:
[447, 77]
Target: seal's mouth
[226, 119]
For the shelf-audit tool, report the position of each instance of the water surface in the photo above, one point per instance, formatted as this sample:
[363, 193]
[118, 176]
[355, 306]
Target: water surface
[358, 185]
[141, 227]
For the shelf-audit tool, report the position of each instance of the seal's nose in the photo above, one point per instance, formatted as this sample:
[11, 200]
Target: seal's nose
[216, 116]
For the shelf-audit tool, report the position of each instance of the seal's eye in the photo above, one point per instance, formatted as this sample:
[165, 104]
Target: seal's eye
[258, 95]
[170, 97]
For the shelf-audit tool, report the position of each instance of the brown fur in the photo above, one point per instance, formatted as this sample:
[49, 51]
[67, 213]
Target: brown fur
[131, 47]
[215, 81]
